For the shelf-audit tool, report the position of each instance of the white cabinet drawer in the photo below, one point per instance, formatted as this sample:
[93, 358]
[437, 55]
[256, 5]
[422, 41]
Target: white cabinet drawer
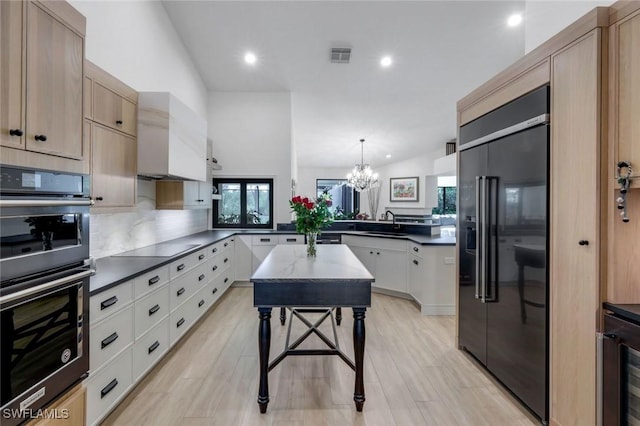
[181, 320]
[415, 249]
[201, 302]
[150, 281]
[264, 240]
[150, 309]
[290, 239]
[109, 337]
[106, 388]
[109, 301]
[186, 263]
[150, 348]
[226, 279]
[214, 290]
[216, 265]
[187, 285]
[375, 242]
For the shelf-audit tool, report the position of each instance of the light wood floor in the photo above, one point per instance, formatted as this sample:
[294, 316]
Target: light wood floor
[413, 375]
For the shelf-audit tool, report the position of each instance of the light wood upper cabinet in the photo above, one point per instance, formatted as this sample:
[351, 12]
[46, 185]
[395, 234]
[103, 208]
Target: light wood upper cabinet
[42, 53]
[113, 168]
[111, 107]
[114, 110]
[624, 129]
[11, 76]
[574, 220]
[55, 56]
[173, 195]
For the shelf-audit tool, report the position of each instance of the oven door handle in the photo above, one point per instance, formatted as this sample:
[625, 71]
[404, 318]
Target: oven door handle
[51, 284]
[45, 203]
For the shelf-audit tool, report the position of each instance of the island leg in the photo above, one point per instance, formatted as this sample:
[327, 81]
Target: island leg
[358, 350]
[283, 315]
[264, 342]
[338, 315]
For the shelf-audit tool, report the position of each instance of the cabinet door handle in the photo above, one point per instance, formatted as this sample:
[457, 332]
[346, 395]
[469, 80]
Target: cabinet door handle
[214, 250]
[179, 292]
[214, 267]
[15, 132]
[378, 253]
[154, 346]
[200, 303]
[180, 322]
[226, 244]
[200, 201]
[119, 122]
[291, 240]
[265, 240]
[41, 138]
[201, 277]
[226, 280]
[415, 262]
[583, 242]
[109, 302]
[154, 309]
[201, 257]
[109, 340]
[154, 280]
[108, 388]
[416, 249]
[370, 252]
[99, 198]
[215, 289]
[226, 259]
[180, 267]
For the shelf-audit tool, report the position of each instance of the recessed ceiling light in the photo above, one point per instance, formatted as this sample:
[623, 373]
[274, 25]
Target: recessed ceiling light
[514, 20]
[386, 61]
[388, 156]
[250, 58]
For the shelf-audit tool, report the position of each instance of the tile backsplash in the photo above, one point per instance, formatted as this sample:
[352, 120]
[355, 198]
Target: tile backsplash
[113, 233]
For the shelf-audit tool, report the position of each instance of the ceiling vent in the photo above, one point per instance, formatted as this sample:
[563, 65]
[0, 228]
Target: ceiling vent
[340, 55]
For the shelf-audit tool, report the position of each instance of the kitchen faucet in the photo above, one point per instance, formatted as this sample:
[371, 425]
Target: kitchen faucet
[393, 216]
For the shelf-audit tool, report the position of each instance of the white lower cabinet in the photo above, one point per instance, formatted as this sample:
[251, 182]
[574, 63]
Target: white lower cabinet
[150, 309]
[134, 324]
[149, 348]
[385, 258]
[432, 281]
[109, 337]
[105, 388]
[243, 258]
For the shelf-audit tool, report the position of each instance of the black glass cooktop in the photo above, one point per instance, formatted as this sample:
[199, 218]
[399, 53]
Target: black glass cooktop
[158, 250]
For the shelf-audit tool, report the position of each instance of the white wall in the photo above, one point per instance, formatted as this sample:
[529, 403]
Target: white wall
[136, 42]
[251, 135]
[544, 19]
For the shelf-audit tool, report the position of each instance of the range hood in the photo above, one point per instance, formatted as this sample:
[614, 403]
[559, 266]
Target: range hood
[172, 139]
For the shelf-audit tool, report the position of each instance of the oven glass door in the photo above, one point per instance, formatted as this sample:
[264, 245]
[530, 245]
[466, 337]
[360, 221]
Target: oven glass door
[39, 336]
[21, 235]
[631, 387]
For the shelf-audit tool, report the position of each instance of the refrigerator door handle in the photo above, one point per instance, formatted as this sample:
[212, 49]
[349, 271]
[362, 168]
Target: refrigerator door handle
[478, 234]
[483, 242]
[490, 292]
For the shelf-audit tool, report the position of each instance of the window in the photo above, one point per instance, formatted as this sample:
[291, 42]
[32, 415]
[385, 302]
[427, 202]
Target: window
[244, 203]
[345, 199]
[446, 200]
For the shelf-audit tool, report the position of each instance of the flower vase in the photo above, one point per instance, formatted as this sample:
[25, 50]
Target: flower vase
[311, 244]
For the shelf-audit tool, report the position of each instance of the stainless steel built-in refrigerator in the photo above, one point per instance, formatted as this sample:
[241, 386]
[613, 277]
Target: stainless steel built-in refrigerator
[503, 245]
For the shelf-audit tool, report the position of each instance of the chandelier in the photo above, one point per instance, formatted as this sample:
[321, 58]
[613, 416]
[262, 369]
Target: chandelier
[362, 177]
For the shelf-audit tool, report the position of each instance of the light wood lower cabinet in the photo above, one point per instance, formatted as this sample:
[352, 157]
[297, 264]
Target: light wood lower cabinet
[574, 230]
[69, 410]
[113, 168]
[187, 195]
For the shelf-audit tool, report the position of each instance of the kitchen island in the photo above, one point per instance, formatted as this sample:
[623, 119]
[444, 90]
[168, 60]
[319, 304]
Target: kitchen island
[289, 278]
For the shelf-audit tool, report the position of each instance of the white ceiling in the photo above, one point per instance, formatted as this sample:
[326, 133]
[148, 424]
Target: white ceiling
[441, 50]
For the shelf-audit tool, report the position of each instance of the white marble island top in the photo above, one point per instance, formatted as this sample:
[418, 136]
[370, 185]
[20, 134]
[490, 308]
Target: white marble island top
[291, 263]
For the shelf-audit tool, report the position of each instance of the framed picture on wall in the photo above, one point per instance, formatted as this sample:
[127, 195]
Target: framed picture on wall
[403, 189]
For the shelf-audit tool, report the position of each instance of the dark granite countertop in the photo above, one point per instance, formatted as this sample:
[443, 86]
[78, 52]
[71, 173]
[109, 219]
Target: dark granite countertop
[629, 312]
[114, 270]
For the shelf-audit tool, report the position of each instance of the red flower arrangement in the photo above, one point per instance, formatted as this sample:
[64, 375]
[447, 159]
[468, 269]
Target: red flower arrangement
[311, 215]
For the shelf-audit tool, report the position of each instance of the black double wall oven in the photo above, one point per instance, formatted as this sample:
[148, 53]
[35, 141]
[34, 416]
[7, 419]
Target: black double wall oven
[44, 288]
